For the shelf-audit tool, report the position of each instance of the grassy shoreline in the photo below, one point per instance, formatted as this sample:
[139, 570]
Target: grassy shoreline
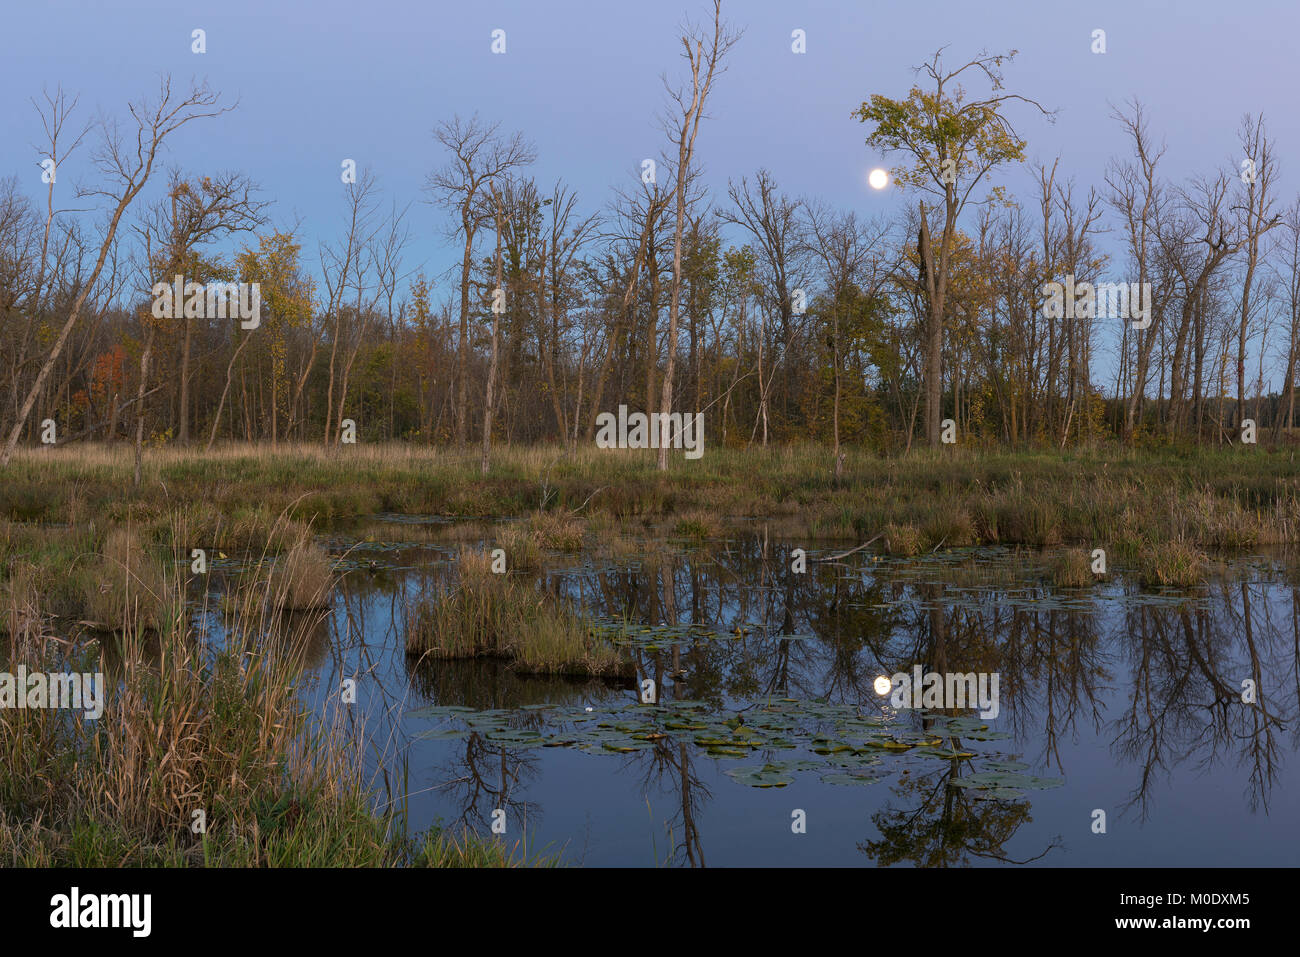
[1126, 499]
[201, 765]
[203, 754]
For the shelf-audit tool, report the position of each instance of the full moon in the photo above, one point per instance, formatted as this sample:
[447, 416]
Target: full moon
[883, 684]
[878, 179]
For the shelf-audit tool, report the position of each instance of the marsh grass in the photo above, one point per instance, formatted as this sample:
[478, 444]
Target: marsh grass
[185, 728]
[485, 614]
[1071, 568]
[521, 548]
[442, 848]
[190, 724]
[129, 589]
[1214, 498]
[302, 578]
[1177, 564]
[949, 527]
[116, 582]
[698, 525]
[903, 541]
[20, 603]
[557, 531]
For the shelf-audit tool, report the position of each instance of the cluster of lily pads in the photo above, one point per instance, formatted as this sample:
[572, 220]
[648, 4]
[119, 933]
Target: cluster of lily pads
[663, 637]
[844, 746]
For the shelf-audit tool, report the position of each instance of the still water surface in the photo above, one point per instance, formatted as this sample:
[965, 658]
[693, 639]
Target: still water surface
[1111, 698]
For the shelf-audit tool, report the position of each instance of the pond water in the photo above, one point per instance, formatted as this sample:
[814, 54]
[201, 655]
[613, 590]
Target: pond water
[1111, 699]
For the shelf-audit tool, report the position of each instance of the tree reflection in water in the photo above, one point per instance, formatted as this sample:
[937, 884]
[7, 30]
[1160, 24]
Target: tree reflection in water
[1157, 677]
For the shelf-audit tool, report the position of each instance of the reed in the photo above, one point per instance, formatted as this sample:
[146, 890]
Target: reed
[192, 731]
[488, 614]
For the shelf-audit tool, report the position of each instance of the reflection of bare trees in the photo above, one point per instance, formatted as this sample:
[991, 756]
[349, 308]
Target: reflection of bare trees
[944, 826]
[487, 777]
[670, 767]
[1160, 679]
[1185, 663]
[1188, 664]
[1054, 669]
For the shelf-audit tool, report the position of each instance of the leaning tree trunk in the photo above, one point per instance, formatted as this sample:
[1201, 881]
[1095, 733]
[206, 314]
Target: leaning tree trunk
[73, 315]
[489, 398]
[139, 403]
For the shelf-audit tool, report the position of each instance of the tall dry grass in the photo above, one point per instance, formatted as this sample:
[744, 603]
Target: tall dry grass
[303, 576]
[187, 727]
[194, 723]
[1103, 496]
[487, 614]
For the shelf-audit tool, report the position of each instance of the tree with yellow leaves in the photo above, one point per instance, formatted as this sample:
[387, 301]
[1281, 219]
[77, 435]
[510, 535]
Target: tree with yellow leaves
[954, 143]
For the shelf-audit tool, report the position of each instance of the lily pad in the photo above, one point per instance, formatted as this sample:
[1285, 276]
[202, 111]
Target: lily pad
[440, 733]
[989, 780]
[765, 776]
[947, 753]
[997, 794]
[827, 746]
[844, 777]
[1006, 766]
[440, 711]
[854, 760]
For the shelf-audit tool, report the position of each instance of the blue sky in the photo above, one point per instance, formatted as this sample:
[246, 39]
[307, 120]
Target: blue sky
[321, 81]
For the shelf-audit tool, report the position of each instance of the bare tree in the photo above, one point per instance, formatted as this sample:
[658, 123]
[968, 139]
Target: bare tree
[642, 223]
[55, 113]
[498, 302]
[343, 269]
[198, 211]
[566, 238]
[844, 246]
[1136, 194]
[1290, 279]
[478, 155]
[775, 223]
[1256, 212]
[704, 65]
[127, 167]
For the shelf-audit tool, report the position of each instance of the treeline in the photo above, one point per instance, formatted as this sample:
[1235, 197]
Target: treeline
[778, 317]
